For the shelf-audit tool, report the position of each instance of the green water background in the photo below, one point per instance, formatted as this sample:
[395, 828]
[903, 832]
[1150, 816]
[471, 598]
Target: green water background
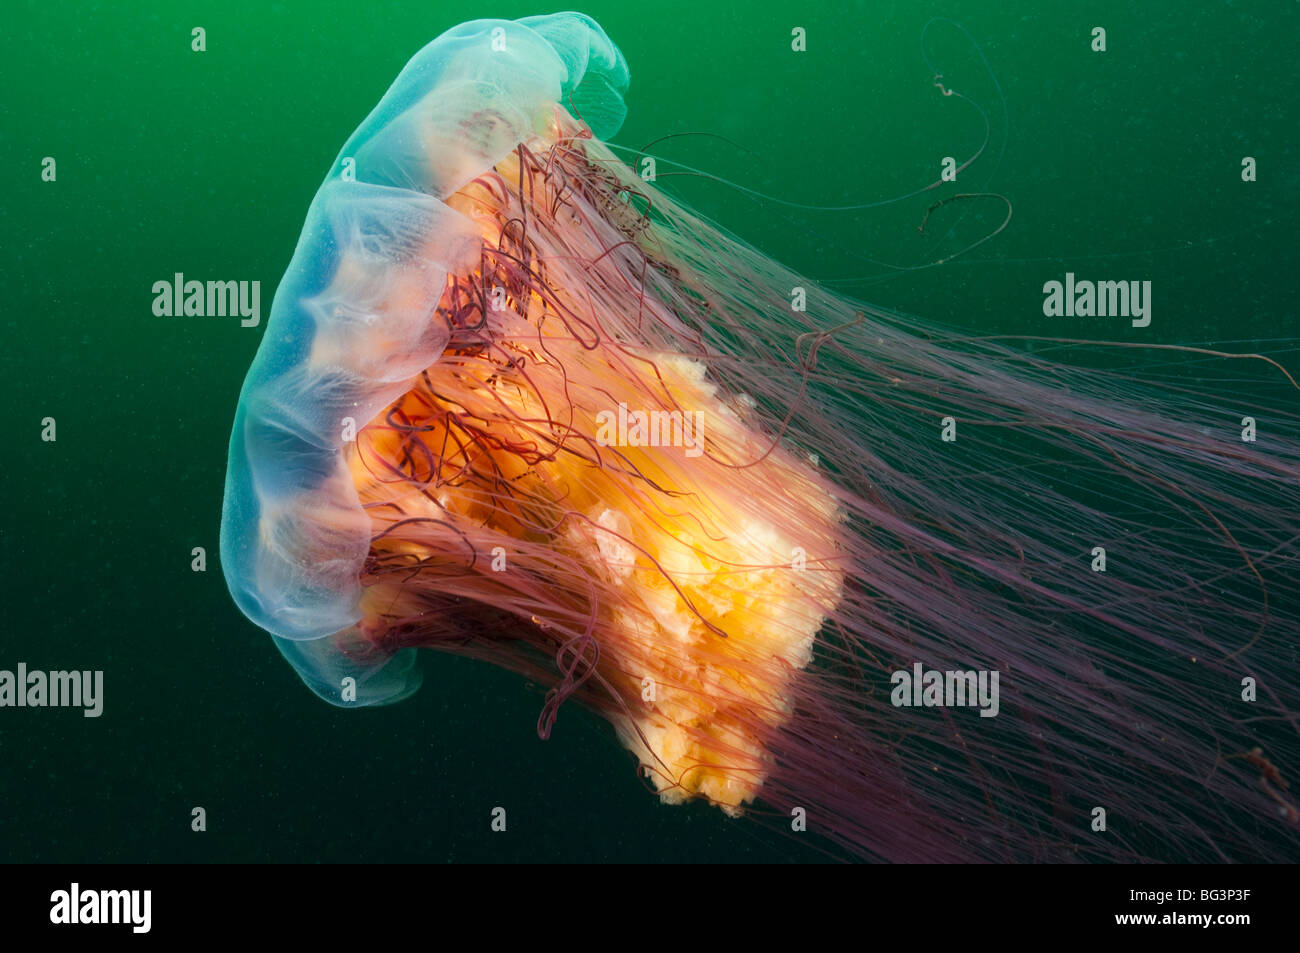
[1122, 165]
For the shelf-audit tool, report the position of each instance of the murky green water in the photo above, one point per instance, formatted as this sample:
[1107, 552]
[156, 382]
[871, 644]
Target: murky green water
[1119, 165]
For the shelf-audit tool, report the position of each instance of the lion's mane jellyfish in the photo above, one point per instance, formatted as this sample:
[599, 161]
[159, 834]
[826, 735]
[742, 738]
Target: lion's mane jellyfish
[516, 403]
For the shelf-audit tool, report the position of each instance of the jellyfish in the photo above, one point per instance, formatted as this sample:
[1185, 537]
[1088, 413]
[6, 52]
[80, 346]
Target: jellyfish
[518, 403]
